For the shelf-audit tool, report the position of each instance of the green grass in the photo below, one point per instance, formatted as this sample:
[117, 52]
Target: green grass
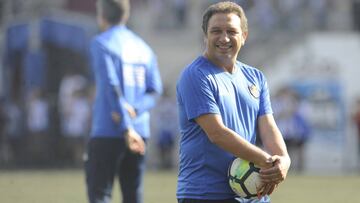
[67, 186]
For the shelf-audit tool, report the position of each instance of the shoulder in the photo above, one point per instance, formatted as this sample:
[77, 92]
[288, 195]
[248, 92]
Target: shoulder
[251, 72]
[122, 42]
[136, 50]
[98, 42]
[245, 68]
[140, 41]
[197, 69]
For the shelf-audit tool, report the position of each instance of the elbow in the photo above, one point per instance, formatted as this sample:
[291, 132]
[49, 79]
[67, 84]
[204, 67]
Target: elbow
[215, 136]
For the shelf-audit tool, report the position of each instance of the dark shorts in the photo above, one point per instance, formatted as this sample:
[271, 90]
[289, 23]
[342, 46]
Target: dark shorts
[108, 158]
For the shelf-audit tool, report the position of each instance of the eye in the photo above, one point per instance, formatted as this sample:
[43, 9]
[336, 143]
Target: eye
[232, 32]
[215, 31]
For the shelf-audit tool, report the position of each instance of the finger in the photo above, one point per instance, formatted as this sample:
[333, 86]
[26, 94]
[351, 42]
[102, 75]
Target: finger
[259, 191]
[268, 176]
[268, 180]
[142, 147]
[138, 146]
[272, 169]
[273, 159]
[272, 189]
[266, 189]
[274, 179]
[136, 149]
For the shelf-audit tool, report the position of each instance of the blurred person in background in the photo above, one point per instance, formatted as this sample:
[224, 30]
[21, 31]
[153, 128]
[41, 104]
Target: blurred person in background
[15, 131]
[355, 8]
[223, 104]
[293, 125]
[38, 141]
[3, 123]
[356, 120]
[37, 112]
[181, 12]
[127, 86]
[166, 128]
[75, 115]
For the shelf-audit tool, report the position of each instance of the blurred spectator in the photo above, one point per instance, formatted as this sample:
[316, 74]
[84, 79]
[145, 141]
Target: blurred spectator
[74, 106]
[3, 123]
[356, 14]
[166, 129]
[290, 11]
[70, 83]
[181, 11]
[163, 14]
[1, 13]
[356, 119]
[77, 118]
[38, 140]
[265, 15]
[3, 118]
[319, 9]
[37, 113]
[292, 124]
[77, 126]
[15, 131]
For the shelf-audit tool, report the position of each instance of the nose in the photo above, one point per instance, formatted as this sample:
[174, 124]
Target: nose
[224, 37]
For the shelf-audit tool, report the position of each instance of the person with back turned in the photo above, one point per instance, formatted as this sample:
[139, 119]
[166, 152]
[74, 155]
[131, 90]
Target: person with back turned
[127, 86]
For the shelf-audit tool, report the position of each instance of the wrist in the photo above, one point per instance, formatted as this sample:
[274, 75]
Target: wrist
[126, 132]
[266, 162]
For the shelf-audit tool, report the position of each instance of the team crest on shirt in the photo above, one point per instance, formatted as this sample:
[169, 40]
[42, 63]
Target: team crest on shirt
[254, 91]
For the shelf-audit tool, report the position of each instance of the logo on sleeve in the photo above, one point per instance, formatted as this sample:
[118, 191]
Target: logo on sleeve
[254, 91]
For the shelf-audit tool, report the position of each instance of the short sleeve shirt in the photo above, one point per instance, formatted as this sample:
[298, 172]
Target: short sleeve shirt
[239, 98]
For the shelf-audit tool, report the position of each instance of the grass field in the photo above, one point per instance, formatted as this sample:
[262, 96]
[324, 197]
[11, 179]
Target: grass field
[67, 186]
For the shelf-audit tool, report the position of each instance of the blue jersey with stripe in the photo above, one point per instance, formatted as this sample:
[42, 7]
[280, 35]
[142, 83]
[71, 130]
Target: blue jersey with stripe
[126, 72]
[240, 98]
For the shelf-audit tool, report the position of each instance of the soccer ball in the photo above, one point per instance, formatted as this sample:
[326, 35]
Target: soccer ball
[244, 178]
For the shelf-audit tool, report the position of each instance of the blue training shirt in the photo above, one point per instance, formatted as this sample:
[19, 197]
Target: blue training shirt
[240, 98]
[126, 71]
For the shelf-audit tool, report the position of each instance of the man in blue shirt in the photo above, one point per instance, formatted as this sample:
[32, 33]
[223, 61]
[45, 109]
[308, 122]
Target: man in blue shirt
[223, 104]
[127, 86]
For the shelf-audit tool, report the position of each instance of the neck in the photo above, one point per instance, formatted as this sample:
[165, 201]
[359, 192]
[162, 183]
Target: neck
[105, 26]
[226, 65]
[230, 67]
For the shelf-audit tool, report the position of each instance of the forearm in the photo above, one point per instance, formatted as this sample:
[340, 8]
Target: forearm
[235, 144]
[231, 142]
[147, 102]
[271, 137]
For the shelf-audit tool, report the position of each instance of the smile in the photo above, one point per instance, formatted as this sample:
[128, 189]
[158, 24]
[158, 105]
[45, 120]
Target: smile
[224, 47]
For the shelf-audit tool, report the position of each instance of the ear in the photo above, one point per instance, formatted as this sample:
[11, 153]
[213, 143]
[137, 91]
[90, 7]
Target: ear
[205, 39]
[244, 36]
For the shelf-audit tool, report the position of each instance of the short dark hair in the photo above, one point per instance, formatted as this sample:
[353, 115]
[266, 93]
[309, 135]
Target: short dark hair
[114, 11]
[224, 7]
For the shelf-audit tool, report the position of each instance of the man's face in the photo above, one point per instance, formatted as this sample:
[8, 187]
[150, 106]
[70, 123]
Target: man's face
[224, 38]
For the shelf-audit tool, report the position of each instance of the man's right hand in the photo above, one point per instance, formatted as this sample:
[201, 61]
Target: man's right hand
[272, 176]
[135, 142]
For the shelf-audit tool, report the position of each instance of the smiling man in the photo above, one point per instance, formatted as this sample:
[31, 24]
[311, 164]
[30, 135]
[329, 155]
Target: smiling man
[223, 104]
